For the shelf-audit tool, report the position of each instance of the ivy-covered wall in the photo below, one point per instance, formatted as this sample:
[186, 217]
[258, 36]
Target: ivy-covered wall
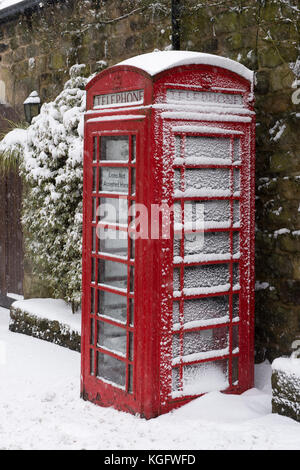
[37, 50]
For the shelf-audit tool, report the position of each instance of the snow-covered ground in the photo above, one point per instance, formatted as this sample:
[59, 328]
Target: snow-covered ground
[40, 408]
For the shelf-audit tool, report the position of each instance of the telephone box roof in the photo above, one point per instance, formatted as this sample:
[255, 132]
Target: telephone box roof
[156, 62]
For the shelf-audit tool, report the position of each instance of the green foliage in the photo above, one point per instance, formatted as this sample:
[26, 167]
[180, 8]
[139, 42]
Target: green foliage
[52, 168]
[10, 154]
[9, 161]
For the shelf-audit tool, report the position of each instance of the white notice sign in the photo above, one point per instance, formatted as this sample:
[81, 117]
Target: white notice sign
[114, 180]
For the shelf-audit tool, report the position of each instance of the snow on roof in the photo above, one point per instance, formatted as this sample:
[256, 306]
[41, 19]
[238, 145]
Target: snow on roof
[33, 98]
[8, 3]
[156, 62]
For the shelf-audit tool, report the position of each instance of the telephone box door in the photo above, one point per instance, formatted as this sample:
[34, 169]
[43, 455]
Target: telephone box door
[109, 353]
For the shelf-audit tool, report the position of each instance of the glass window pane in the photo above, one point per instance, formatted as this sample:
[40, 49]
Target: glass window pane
[206, 309]
[176, 346]
[131, 279]
[236, 180]
[235, 370]
[175, 379]
[133, 148]
[236, 243]
[205, 340]
[131, 312]
[131, 346]
[177, 213]
[236, 150]
[176, 279]
[130, 378]
[93, 239]
[207, 243]
[94, 209]
[177, 147]
[236, 212]
[94, 188]
[207, 182]
[113, 210]
[112, 273]
[132, 249]
[114, 242]
[92, 366]
[113, 306]
[92, 332]
[132, 181]
[115, 148]
[194, 215]
[206, 276]
[208, 150]
[113, 180]
[235, 337]
[235, 306]
[132, 212]
[176, 247]
[111, 369]
[205, 377]
[92, 300]
[235, 273]
[93, 276]
[112, 337]
[217, 211]
[177, 180]
[94, 149]
[176, 318]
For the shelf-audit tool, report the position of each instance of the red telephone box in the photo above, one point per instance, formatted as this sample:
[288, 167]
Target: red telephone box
[168, 232]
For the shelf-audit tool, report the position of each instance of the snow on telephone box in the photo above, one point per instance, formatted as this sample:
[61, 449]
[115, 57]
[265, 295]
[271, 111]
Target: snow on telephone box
[168, 257]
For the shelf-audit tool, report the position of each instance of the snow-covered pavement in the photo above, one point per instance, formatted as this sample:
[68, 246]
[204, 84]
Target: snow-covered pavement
[40, 408]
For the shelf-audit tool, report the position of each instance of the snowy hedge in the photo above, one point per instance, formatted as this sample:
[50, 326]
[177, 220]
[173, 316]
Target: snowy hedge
[51, 165]
[47, 319]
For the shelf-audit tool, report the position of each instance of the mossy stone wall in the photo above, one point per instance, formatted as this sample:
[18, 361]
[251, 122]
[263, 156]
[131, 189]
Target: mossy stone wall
[37, 48]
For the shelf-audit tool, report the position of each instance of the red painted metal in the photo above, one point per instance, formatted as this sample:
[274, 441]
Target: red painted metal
[148, 369]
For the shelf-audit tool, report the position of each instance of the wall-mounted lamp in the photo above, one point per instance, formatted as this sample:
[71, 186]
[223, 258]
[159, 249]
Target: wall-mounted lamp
[32, 106]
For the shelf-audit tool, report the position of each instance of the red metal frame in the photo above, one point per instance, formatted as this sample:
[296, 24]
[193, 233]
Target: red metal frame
[153, 265]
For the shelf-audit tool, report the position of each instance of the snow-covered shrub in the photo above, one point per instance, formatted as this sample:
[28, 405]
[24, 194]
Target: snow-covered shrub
[11, 147]
[52, 207]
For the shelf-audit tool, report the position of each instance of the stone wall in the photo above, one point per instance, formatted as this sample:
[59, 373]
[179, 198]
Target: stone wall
[37, 50]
